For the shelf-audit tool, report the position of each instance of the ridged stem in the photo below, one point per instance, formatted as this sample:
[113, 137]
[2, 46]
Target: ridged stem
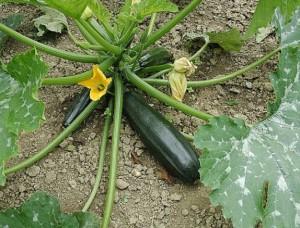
[218, 79]
[172, 23]
[102, 149]
[110, 195]
[47, 49]
[141, 84]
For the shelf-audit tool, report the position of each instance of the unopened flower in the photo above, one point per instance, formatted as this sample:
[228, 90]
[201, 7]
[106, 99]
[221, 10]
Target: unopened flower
[87, 13]
[183, 65]
[98, 83]
[178, 84]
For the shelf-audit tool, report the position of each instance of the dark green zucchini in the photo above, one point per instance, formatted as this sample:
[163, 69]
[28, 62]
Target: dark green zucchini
[78, 105]
[162, 139]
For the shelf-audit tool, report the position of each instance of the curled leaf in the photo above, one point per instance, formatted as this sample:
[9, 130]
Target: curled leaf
[178, 84]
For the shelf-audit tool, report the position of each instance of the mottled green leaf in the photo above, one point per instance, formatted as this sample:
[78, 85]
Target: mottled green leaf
[20, 109]
[289, 33]
[42, 210]
[265, 11]
[254, 171]
[13, 21]
[229, 41]
[71, 8]
[52, 20]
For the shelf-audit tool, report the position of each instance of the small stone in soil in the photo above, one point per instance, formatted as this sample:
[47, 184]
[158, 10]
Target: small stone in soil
[121, 184]
[176, 197]
[73, 183]
[235, 90]
[33, 171]
[184, 212]
[249, 85]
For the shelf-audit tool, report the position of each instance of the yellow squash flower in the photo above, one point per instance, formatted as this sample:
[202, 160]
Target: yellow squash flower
[98, 83]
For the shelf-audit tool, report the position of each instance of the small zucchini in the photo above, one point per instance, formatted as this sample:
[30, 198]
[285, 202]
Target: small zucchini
[78, 105]
[162, 139]
[154, 57]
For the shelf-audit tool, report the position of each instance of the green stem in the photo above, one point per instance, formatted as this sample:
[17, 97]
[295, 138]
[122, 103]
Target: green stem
[85, 34]
[126, 38]
[219, 79]
[50, 50]
[118, 106]
[157, 68]
[74, 79]
[100, 29]
[172, 23]
[102, 150]
[199, 52]
[100, 40]
[67, 80]
[141, 84]
[51, 146]
[152, 23]
[158, 74]
[188, 136]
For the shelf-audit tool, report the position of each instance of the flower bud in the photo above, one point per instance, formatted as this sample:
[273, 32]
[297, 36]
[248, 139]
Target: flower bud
[87, 13]
[183, 65]
[178, 84]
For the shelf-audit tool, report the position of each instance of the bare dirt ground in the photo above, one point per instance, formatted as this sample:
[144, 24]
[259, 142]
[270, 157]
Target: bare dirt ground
[143, 199]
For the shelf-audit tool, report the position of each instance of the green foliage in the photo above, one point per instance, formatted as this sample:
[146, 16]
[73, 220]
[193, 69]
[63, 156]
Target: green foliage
[265, 11]
[100, 11]
[138, 11]
[71, 8]
[13, 21]
[35, 2]
[254, 172]
[147, 7]
[20, 109]
[229, 41]
[52, 20]
[42, 210]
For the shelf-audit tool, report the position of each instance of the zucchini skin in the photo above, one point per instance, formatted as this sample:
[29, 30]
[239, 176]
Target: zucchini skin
[79, 104]
[162, 139]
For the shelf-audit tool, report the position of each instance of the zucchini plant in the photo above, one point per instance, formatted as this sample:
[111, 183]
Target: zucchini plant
[252, 170]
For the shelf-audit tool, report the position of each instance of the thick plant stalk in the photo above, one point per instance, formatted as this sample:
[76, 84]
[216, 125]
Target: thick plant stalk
[102, 150]
[74, 79]
[219, 79]
[141, 84]
[110, 195]
[172, 23]
[51, 146]
[100, 40]
[47, 49]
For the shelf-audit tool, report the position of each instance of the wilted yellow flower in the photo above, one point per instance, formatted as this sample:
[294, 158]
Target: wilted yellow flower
[178, 84]
[98, 83]
[183, 65]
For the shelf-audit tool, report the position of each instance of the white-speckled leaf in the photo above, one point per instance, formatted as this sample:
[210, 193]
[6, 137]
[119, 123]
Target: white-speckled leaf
[42, 210]
[20, 110]
[254, 172]
[289, 34]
